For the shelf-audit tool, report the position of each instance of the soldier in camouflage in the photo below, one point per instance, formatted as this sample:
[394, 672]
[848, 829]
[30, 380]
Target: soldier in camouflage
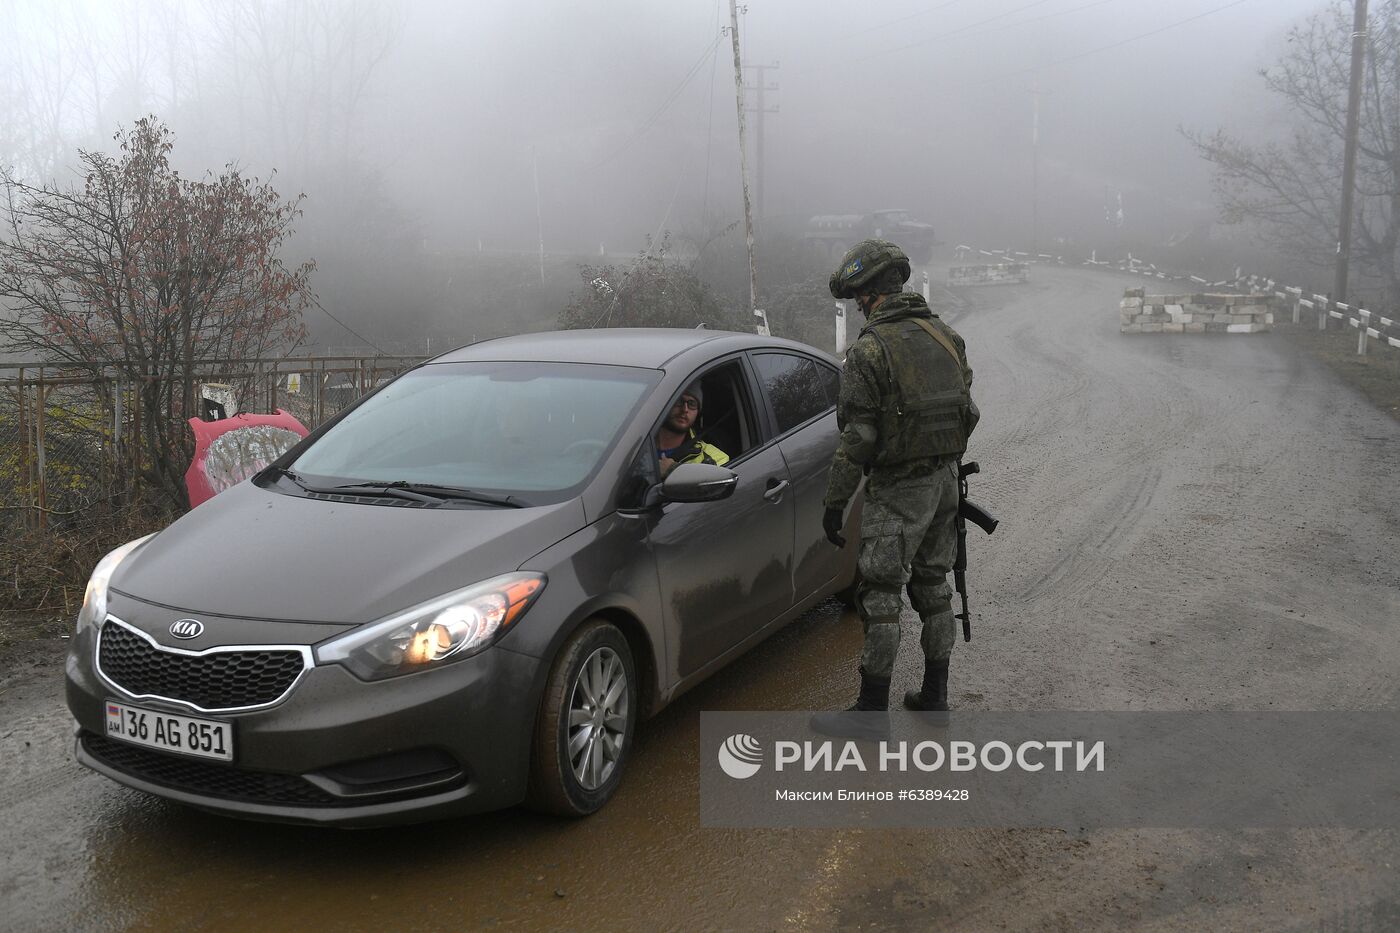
[905, 413]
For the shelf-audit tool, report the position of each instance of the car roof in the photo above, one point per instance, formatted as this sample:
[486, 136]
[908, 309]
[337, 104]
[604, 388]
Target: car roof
[652, 347]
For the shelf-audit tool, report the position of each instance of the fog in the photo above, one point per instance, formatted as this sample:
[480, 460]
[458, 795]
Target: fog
[424, 130]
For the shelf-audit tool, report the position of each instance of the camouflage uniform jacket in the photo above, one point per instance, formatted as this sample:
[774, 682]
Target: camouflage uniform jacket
[867, 389]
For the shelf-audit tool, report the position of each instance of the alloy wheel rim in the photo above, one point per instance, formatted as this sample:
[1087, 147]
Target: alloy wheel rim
[597, 728]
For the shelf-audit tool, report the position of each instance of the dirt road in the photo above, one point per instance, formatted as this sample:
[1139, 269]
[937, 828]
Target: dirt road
[1188, 523]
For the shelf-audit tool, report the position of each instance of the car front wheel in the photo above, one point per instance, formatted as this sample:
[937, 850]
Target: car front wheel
[586, 723]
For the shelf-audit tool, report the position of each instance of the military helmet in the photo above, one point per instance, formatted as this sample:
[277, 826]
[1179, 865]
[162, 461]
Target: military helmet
[863, 263]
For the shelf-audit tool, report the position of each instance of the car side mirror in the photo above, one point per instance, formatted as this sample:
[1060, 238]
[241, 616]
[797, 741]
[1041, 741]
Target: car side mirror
[699, 482]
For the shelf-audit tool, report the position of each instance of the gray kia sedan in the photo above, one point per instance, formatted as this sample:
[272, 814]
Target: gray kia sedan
[466, 590]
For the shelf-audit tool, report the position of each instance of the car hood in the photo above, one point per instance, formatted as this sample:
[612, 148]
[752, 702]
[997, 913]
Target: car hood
[254, 553]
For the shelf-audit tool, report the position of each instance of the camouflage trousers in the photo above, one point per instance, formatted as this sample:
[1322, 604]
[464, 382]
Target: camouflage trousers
[907, 539]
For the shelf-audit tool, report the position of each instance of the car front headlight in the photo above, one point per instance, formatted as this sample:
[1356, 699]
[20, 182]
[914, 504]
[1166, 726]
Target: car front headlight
[447, 628]
[95, 596]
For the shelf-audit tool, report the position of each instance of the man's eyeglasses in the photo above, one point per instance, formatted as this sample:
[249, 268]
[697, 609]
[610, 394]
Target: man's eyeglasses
[689, 403]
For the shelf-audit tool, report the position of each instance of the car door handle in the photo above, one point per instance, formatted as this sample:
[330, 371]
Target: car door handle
[775, 490]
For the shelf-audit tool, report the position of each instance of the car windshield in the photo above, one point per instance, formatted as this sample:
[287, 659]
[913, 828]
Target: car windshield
[535, 430]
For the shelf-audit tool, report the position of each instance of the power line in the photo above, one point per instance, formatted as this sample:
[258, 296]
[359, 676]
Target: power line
[960, 29]
[1104, 48]
[905, 19]
[665, 104]
[694, 70]
[316, 302]
[1043, 17]
[710, 122]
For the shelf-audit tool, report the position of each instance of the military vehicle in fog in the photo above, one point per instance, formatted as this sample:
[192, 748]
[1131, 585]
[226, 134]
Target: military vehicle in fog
[833, 234]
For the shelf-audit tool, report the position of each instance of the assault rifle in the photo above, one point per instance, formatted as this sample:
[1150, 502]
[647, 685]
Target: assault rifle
[968, 511]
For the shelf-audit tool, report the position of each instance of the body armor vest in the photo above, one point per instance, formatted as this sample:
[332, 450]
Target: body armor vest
[929, 411]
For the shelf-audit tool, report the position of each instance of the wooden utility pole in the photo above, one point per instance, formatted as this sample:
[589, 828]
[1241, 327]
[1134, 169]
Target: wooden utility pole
[539, 215]
[743, 153]
[1358, 58]
[761, 85]
[1035, 166]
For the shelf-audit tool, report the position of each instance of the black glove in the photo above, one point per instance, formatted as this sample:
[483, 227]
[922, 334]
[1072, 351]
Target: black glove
[832, 520]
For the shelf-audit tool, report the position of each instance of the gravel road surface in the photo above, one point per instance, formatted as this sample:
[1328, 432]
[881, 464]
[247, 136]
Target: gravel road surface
[1189, 523]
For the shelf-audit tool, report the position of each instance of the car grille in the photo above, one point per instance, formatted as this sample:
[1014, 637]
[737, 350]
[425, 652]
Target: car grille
[219, 680]
[206, 779]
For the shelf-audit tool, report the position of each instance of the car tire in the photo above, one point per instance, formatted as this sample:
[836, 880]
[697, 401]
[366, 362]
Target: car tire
[577, 784]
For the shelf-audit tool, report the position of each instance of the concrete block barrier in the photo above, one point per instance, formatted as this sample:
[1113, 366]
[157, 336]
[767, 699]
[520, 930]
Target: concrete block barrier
[1248, 309]
[1203, 313]
[1000, 273]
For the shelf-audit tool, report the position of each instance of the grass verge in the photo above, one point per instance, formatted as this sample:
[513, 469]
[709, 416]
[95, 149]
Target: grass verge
[1375, 374]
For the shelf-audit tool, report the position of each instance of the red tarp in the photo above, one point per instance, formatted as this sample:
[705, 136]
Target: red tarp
[230, 450]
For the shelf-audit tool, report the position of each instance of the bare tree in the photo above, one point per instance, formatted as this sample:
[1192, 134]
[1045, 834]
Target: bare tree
[69, 74]
[1289, 189]
[300, 71]
[147, 275]
[37, 74]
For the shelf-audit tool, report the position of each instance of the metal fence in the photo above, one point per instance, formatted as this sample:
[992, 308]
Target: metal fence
[69, 441]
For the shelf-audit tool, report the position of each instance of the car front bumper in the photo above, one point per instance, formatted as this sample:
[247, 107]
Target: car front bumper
[337, 750]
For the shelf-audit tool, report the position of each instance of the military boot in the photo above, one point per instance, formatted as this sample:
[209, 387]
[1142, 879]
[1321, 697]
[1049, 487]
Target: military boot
[868, 718]
[933, 697]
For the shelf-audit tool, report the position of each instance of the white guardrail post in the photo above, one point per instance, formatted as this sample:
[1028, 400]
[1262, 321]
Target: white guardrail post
[760, 325]
[1391, 341]
[1363, 330]
[1369, 325]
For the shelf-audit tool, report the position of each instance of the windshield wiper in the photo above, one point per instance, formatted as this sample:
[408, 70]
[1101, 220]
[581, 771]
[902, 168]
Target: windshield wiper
[383, 490]
[395, 493]
[434, 491]
[290, 474]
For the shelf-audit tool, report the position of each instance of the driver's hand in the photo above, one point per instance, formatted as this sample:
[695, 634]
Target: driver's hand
[667, 465]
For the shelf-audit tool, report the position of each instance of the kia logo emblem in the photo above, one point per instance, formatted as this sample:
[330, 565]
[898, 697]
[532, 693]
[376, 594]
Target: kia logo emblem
[187, 628]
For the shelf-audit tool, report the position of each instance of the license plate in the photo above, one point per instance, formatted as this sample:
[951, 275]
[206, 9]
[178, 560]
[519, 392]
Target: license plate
[203, 738]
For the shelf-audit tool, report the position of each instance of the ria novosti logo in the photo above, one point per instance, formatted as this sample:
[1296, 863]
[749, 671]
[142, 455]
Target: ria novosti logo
[741, 756]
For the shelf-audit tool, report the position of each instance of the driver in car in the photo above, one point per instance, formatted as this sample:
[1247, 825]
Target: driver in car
[675, 439]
